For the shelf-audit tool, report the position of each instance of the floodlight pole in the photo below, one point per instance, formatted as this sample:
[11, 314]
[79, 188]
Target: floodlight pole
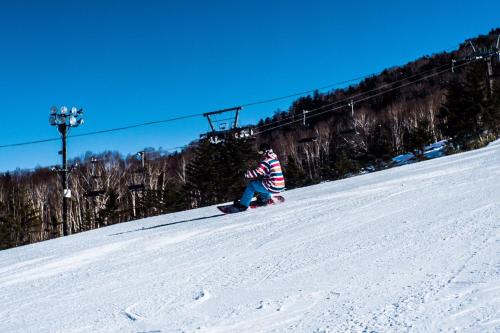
[63, 129]
[64, 120]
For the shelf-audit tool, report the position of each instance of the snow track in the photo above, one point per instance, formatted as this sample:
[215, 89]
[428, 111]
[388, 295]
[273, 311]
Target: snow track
[410, 249]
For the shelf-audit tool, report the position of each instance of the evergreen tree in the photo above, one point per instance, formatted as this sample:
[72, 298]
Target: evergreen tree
[111, 212]
[216, 173]
[476, 94]
[344, 165]
[462, 116]
[453, 122]
[491, 115]
[238, 156]
[294, 175]
[380, 146]
[161, 201]
[9, 229]
[417, 138]
[19, 220]
[203, 178]
[173, 198]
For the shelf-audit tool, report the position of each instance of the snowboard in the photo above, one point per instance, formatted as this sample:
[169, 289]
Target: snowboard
[230, 209]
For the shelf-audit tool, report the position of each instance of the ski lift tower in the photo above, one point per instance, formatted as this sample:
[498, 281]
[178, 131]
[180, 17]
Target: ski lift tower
[226, 127]
[305, 125]
[486, 54]
[138, 188]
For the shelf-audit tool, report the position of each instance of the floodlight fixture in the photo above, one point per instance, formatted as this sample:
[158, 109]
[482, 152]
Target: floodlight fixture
[64, 118]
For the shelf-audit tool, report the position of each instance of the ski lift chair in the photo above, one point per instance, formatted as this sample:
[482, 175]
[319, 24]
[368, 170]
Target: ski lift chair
[227, 127]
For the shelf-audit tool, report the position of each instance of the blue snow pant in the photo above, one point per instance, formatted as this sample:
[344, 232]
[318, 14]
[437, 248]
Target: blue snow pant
[255, 186]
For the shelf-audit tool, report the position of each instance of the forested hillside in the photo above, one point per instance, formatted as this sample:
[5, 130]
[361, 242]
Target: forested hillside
[323, 136]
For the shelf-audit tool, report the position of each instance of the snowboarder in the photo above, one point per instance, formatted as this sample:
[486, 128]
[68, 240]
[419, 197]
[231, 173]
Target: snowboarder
[268, 180]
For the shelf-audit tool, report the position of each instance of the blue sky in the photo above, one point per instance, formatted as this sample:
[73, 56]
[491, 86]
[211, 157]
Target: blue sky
[128, 62]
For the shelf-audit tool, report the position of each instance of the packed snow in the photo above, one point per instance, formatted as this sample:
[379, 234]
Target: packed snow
[409, 249]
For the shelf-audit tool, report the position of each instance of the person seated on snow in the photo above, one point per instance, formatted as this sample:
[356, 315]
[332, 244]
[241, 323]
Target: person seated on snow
[268, 179]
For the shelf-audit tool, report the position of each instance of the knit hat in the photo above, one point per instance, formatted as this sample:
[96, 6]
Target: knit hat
[264, 147]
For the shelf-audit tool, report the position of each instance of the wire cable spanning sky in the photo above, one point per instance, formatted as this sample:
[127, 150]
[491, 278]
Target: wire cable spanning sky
[367, 95]
[128, 127]
[355, 99]
[149, 123]
[134, 62]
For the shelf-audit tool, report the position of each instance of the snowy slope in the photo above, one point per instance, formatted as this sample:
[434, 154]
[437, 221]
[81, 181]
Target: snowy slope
[414, 248]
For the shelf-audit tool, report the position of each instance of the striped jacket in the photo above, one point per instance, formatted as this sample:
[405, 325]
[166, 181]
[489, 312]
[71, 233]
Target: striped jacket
[270, 170]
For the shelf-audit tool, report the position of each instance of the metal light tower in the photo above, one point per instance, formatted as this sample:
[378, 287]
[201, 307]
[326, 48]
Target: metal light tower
[64, 119]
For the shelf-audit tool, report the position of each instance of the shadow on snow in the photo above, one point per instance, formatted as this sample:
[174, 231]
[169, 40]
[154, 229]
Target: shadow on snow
[168, 224]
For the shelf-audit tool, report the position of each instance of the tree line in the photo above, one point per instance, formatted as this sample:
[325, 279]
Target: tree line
[109, 188]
